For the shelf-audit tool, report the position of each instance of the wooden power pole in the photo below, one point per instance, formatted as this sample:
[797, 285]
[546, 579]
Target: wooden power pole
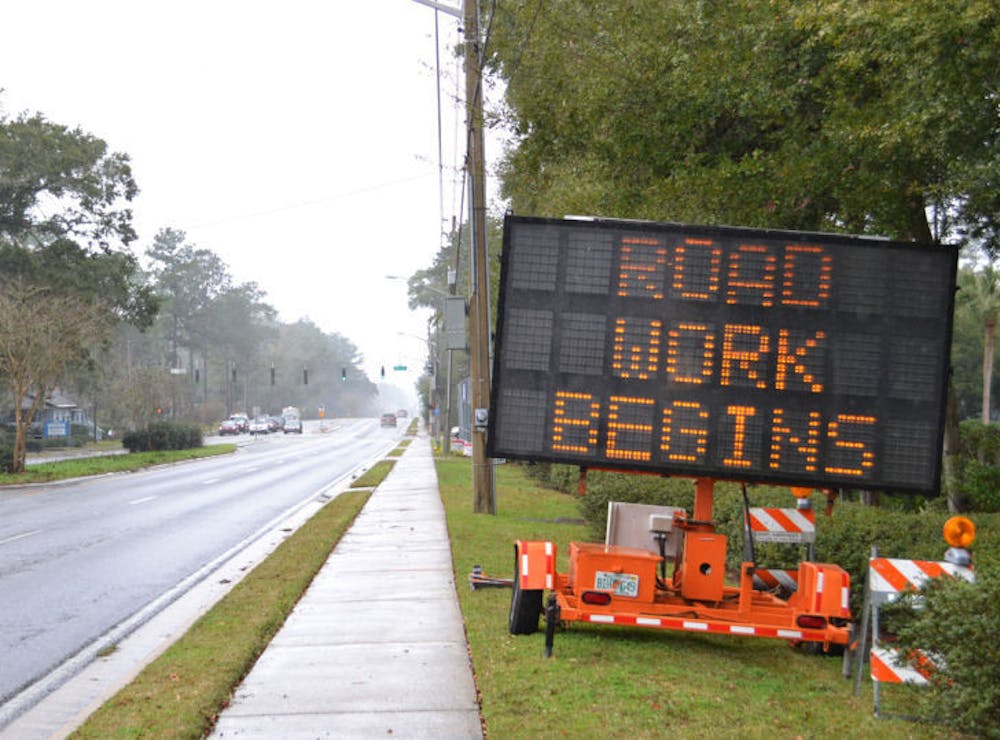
[483, 499]
[479, 304]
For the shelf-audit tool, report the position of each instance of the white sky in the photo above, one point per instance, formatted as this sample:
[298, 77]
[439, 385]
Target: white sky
[296, 140]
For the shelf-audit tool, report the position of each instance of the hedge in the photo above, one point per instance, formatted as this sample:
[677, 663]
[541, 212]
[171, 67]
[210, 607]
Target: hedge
[163, 435]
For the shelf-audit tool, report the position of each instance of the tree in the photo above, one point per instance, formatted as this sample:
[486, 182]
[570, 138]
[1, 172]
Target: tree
[62, 183]
[67, 275]
[239, 324]
[188, 279]
[303, 345]
[42, 335]
[980, 294]
[825, 116]
[852, 117]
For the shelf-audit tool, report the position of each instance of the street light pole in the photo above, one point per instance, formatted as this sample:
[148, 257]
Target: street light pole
[479, 335]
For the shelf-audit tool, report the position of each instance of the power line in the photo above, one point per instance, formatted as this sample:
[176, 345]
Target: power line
[310, 203]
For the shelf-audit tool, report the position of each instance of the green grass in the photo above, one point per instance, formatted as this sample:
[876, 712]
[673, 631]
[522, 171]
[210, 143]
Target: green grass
[180, 694]
[83, 466]
[401, 447]
[374, 475]
[634, 683]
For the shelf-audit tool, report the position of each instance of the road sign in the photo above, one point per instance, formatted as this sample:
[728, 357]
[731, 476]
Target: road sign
[779, 356]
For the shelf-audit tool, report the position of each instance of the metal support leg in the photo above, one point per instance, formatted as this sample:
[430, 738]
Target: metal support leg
[551, 617]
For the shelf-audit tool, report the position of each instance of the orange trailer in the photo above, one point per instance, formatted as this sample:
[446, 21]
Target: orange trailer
[630, 586]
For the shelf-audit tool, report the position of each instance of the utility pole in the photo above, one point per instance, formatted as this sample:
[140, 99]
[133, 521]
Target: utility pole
[483, 500]
[479, 305]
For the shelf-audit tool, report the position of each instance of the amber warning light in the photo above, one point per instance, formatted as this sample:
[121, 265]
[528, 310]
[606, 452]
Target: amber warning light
[799, 358]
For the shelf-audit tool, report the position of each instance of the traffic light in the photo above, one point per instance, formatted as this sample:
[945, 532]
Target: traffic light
[197, 376]
[343, 374]
[234, 374]
[272, 374]
[383, 371]
[305, 376]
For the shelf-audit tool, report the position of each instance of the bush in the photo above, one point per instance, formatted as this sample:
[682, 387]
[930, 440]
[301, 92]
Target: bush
[956, 624]
[845, 538]
[163, 435]
[6, 451]
[978, 464]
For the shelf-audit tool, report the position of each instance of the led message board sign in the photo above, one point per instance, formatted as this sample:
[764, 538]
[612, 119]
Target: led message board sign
[798, 358]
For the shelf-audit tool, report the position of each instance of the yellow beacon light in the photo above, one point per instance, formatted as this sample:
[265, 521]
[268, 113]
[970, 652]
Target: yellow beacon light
[959, 531]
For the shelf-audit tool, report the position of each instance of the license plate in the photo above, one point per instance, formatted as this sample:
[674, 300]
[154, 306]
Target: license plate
[620, 584]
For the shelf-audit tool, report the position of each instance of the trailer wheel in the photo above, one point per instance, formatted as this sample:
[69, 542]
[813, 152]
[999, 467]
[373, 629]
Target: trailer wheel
[525, 608]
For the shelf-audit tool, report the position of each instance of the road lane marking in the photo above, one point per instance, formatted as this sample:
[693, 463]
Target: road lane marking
[141, 500]
[210, 481]
[20, 536]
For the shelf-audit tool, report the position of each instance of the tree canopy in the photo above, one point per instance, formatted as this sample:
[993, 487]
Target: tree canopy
[839, 116]
[62, 183]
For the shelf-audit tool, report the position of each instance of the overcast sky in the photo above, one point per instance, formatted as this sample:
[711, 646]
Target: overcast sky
[296, 140]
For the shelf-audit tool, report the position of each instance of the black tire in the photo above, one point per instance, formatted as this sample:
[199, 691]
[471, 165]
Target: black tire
[525, 609]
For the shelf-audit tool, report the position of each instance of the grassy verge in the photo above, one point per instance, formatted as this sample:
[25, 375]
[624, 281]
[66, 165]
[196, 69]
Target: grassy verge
[181, 693]
[617, 682]
[83, 466]
[374, 475]
[401, 447]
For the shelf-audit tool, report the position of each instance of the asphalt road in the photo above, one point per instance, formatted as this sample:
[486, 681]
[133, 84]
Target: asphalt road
[79, 558]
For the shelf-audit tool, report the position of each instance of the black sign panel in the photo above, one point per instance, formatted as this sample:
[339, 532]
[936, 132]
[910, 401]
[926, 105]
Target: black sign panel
[798, 358]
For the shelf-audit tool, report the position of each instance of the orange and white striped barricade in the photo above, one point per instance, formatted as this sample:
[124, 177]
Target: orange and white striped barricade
[787, 526]
[776, 579]
[888, 578]
[795, 526]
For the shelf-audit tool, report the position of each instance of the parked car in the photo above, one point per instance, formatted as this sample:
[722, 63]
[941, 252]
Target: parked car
[388, 420]
[260, 425]
[229, 426]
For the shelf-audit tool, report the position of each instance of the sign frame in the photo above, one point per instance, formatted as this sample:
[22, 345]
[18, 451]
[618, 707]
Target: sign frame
[810, 301]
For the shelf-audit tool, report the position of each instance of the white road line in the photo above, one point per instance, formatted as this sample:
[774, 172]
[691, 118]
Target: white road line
[141, 500]
[20, 536]
[210, 481]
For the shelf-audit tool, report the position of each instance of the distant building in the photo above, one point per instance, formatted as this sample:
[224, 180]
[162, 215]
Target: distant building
[55, 418]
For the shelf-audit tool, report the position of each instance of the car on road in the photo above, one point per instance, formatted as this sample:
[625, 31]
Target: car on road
[388, 420]
[401, 414]
[242, 421]
[229, 426]
[260, 425]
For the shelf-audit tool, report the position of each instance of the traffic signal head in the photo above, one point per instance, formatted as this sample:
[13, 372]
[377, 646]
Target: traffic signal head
[343, 373]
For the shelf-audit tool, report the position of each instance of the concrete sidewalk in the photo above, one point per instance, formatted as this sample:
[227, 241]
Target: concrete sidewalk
[377, 645]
